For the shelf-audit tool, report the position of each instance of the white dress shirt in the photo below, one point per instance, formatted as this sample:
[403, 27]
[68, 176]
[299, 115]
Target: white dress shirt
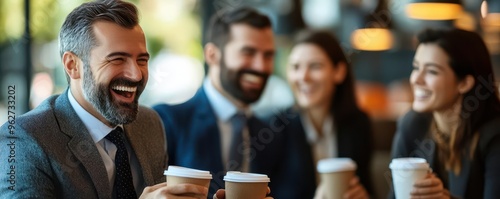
[224, 111]
[324, 146]
[106, 148]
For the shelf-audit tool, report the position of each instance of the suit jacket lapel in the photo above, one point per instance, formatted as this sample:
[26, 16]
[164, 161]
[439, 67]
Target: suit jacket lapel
[205, 126]
[458, 183]
[267, 149]
[139, 147]
[344, 138]
[303, 147]
[255, 165]
[81, 145]
[343, 143]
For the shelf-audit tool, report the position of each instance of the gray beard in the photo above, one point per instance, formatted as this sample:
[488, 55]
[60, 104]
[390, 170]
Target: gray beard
[101, 99]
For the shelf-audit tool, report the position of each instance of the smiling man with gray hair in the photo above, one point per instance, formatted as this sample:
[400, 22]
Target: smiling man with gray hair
[93, 140]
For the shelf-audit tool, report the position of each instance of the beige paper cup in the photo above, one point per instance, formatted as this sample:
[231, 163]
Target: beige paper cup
[245, 185]
[335, 176]
[180, 175]
[405, 172]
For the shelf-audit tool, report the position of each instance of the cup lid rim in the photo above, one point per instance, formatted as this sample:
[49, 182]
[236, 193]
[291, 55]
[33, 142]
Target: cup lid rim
[409, 163]
[335, 165]
[187, 172]
[237, 176]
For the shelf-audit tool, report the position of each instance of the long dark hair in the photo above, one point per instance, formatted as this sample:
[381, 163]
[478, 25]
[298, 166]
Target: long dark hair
[343, 104]
[468, 55]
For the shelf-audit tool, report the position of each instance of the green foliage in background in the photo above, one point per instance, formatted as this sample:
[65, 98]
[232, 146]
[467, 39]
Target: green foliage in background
[46, 18]
[170, 24]
[11, 20]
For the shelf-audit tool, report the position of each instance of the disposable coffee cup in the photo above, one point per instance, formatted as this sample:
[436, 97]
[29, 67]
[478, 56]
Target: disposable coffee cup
[181, 175]
[405, 172]
[245, 185]
[336, 173]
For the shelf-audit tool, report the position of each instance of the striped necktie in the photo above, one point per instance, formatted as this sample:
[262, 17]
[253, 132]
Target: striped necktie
[238, 123]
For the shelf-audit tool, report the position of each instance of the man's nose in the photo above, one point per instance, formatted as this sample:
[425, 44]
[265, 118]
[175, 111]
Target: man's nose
[132, 71]
[262, 64]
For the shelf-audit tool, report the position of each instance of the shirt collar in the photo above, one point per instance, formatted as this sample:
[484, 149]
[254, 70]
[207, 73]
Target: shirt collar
[97, 129]
[312, 134]
[223, 108]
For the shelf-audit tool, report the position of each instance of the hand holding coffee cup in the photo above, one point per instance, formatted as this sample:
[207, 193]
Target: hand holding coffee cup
[221, 194]
[188, 191]
[355, 190]
[406, 172]
[429, 187]
[338, 178]
[241, 185]
[181, 181]
[181, 175]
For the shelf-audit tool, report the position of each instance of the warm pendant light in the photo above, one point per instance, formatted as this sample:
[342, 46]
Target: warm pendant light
[372, 39]
[434, 9]
[376, 36]
[490, 11]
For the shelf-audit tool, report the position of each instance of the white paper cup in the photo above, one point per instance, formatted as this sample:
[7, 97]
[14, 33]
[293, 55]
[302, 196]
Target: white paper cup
[180, 175]
[245, 185]
[405, 172]
[335, 175]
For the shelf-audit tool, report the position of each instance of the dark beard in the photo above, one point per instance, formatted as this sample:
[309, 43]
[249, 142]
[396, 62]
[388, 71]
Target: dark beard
[230, 82]
[100, 97]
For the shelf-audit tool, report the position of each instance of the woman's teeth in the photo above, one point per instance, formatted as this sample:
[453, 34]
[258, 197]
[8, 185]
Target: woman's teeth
[421, 93]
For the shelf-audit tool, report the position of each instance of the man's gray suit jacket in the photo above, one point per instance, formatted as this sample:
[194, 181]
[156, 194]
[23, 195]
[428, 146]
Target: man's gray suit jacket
[50, 153]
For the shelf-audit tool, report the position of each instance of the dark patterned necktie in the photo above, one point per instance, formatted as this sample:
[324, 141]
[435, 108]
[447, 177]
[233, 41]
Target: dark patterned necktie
[238, 123]
[124, 185]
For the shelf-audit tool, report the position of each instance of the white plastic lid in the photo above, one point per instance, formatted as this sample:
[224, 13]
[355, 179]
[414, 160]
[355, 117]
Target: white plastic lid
[187, 172]
[236, 176]
[335, 165]
[409, 163]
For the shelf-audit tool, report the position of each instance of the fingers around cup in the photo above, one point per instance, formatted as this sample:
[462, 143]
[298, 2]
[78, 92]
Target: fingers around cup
[220, 194]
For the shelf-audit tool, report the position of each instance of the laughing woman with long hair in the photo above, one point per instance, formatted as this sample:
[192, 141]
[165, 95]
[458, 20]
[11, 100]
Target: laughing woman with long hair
[329, 123]
[455, 118]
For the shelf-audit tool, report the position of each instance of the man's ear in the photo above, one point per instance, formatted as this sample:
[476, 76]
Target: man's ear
[340, 72]
[71, 64]
[212, 54]
[466, 84]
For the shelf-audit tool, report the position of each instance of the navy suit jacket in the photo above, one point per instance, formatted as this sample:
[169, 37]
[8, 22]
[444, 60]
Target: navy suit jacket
[353, 141]
[193, 140]
[479, 177]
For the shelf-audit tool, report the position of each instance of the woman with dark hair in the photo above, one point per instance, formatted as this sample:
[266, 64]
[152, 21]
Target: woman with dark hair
[327, 114]
[455, 121]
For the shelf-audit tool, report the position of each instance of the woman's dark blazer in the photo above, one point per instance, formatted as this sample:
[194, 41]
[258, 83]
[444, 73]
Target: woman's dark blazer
[479, 176]
[353, 141]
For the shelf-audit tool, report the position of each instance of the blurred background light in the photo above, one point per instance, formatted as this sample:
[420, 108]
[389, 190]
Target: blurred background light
[372, 39]
[173, 78]
[42, 87]
[321, 13]
[490, 11]
[434, 9]
[375, 35]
